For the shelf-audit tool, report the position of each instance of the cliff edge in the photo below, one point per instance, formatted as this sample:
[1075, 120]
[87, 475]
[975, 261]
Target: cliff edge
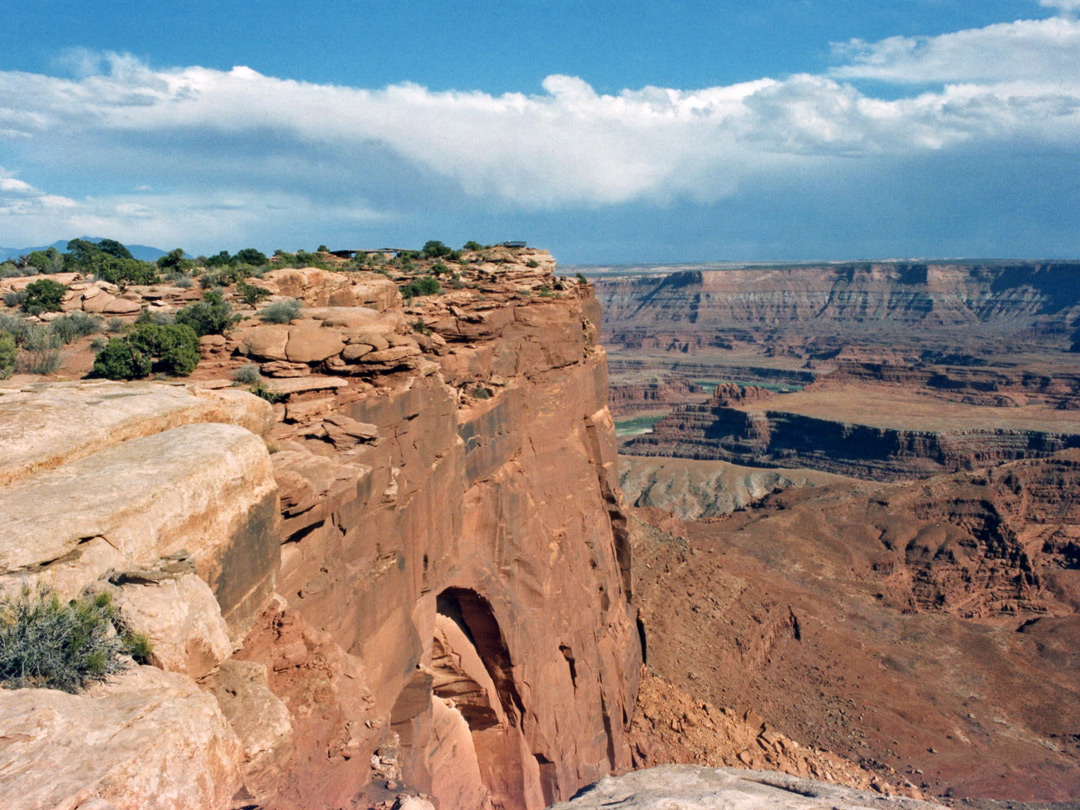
[409, 575]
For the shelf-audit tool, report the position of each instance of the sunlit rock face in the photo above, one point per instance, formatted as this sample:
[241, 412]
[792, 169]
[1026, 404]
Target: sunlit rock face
[410, 575]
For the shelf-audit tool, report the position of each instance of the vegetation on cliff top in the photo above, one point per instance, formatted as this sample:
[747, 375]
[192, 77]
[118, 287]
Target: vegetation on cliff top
[49, 644]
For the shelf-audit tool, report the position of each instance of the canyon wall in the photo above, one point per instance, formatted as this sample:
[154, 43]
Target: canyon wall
[824, 308]
[773, 437]
[409, 576]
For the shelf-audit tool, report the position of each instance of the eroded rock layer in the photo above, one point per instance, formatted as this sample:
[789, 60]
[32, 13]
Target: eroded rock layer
[410, 575]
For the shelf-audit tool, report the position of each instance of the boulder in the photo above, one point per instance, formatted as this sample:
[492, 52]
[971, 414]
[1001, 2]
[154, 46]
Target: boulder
[178, 613]
[266, 342]
[147, 738]
[308, 343]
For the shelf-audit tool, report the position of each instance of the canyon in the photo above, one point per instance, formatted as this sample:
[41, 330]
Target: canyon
[862, 482]
[834, 544]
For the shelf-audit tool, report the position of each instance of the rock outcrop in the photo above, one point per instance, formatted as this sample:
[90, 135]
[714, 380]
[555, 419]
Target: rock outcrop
[410, 575]
[690, 787]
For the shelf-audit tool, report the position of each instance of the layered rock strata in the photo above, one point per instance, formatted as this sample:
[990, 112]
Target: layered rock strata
[410, 574]
[745, 431]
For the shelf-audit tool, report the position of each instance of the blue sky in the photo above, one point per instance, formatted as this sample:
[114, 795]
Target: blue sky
[605, 131]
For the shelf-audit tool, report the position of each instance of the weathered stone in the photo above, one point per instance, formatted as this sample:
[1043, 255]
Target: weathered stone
[145, 739]
[44, 426]
[206, 488]
[266, 342]
[261, 722]
[690, 787]
[182, 620]
[354, 351]
[391, 355]
[308, 343]
[299, 385]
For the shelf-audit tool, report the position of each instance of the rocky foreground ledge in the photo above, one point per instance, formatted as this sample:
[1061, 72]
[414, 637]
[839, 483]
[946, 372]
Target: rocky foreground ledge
[407, 575]
[689, 787]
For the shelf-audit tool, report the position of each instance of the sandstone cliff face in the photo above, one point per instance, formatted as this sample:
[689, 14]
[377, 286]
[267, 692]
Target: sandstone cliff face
[424, 587]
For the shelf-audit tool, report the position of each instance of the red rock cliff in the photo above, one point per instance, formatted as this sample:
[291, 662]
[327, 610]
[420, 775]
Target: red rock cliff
[450, 615]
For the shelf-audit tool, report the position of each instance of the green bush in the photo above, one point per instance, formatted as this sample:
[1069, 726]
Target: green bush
[260, 390]
[473, 245]
[125, 271]
[147, 348]
[44, 295]
[14, 298]
[435, 249]
[281, 311]
[252, 294]
[47, 644]
[8, 353]
[422, 286]
[211, 316]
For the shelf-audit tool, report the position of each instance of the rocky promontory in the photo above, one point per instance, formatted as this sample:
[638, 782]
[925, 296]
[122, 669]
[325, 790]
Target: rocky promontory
[409, 574]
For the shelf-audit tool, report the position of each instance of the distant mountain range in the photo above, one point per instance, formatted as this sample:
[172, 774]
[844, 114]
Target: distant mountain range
[144, 252]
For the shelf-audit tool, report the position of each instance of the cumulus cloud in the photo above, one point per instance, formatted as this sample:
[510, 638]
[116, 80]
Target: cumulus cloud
[227, 147]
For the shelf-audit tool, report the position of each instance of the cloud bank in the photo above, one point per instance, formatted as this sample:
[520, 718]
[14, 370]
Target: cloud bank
[193, 153]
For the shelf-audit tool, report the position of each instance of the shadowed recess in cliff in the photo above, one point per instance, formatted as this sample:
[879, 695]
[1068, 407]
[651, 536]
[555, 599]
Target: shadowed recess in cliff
[472, 613]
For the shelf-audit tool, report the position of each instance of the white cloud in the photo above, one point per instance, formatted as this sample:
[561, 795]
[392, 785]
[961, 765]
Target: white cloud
[1036, 50]
[235, 146]
[1061, 5]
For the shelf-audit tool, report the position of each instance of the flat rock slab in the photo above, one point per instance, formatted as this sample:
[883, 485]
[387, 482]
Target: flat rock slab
[298, 385]
[690, 787]
[44, 426]
[145, 739]
[192, 487]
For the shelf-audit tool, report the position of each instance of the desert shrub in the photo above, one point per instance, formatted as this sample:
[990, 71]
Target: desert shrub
[115, 324]
[250, 374]
[44, 295]
[147, 315]
[260, 390]
[183, 282]
[481, 393]
[49, 644]
[473, 245]
[581, 279]
[546, 292]
[41, 351]
[532, 263]
[422, 286]
[16, 326]
[69, 328]
[439, 269]
[49, 260]
[147, 348]
[14, 298]
[8, 353]
[252, 294]
[11, 270]
[211, 316]
[420, 327]
[281, 311]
